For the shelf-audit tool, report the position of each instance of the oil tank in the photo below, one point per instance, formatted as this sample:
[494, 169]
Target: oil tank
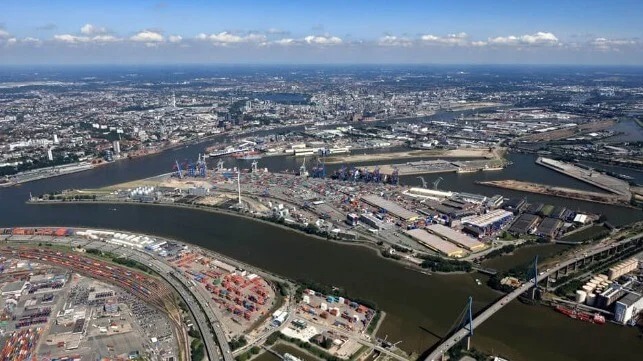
[590, 300]
[587, 288]
[581, 296]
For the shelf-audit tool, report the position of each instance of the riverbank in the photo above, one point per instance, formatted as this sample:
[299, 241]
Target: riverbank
[356, 243]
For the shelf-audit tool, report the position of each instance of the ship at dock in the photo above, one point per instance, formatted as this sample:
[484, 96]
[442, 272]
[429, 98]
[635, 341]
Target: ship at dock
[248, 155]
[580, 315]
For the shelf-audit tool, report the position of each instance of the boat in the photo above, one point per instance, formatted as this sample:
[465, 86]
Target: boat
[228, 151]
[492, 168]
[289, 357]
[464, 170]
[249, 155]
[580, 315]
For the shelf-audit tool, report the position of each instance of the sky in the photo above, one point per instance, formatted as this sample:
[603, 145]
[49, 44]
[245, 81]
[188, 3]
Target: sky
[588, 32]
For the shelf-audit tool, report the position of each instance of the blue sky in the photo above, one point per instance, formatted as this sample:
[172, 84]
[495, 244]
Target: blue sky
[429, 31]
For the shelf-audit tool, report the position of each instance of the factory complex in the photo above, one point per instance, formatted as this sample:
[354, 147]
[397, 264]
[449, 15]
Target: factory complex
[619, 292]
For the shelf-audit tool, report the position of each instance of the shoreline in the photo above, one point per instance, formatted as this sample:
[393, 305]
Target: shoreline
[367, 245]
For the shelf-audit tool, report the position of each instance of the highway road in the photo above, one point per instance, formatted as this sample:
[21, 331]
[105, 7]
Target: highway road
[197, 304]
[463, 332]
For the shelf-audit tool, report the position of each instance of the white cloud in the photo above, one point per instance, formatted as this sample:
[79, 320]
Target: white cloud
[89, 29]
[323, 40]
[611, 44]
[31, 40]
[450, 39]
[68, 38]
[478, 43]
[11, 41]
[74, 39]
[148, 36]
[390, 40]
[105, 39]
[227, 38]
[175, 38]
[285, 42]
[539, 38]
[4, 33]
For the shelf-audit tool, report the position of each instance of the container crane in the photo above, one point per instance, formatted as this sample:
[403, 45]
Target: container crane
[178, 169]
[436, 182]
[424, 184]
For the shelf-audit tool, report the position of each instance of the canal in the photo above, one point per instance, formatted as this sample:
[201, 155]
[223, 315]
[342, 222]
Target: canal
[420, 308]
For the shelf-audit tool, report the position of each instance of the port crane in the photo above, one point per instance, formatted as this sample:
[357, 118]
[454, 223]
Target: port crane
[436, 182]
[424, 184]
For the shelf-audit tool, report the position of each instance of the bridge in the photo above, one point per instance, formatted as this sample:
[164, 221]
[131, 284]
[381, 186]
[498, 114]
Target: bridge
[469, 325]
[484, 270]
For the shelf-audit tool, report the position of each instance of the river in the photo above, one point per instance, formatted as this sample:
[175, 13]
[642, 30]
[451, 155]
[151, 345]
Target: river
[420, 308]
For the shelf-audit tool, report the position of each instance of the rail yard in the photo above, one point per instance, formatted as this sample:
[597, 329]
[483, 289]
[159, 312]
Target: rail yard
[75, 294]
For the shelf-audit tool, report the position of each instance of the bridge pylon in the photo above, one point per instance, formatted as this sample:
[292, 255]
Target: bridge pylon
[468, 318]
[535, 279]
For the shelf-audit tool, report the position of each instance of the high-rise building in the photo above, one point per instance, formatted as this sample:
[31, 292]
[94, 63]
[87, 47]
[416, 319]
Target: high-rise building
[50, 154]
[55, 138]
[117, 147]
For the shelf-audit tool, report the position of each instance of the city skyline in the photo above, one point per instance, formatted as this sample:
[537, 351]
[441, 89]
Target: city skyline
[463, 32]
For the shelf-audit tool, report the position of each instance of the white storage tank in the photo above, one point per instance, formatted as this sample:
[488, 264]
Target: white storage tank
[581, 296]
[587, 288]
[590, 300]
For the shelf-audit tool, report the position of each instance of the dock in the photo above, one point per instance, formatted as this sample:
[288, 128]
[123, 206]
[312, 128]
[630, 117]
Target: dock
[590, 176]
[570, 193]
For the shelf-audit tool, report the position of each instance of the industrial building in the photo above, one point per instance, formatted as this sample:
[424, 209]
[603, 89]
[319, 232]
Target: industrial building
[514, 205]
[489, 222]
[391, 208]
[548, 227]
[610, 295]
[351, 219]
[456, 237]
[627, 308]
[524, 224]
[371, 221]
[435, 243]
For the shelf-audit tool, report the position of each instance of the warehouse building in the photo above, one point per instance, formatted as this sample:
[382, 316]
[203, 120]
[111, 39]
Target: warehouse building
[549, 227]
[456, 237]
[435, 243]
[627, 308]
[391, 208]
[371, 221]
[524, 224]
[489, 222]
[514, 205]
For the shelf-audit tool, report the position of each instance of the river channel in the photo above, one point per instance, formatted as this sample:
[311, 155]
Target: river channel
[420, 308]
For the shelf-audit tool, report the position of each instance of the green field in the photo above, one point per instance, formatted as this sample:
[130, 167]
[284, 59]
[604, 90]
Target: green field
[589, 234]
